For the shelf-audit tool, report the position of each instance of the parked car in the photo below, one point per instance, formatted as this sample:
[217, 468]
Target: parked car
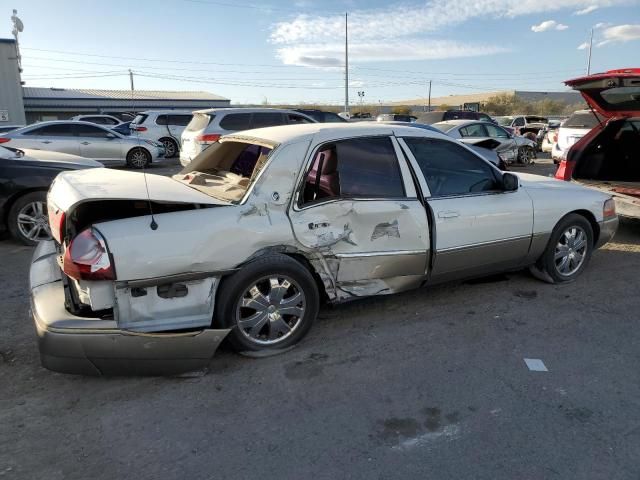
[525, 125]
[486, 153]
[246, 241]
[123, 128]
[548, 136]
[322, 116]
[86, 140]
[8, 128]
[107, 120]
[208, 126]
[445, 115]
[164, 126]
[25, 176]
[395, 117]
[572, 130]
[513, 149]
[607, 158]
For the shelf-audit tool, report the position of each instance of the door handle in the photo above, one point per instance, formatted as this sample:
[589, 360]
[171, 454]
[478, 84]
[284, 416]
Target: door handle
[448, 214]
[46, 141]
[85, 143]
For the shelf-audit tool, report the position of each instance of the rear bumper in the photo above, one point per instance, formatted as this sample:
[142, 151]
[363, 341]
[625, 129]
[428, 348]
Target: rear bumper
[608, 229]
[90, 346]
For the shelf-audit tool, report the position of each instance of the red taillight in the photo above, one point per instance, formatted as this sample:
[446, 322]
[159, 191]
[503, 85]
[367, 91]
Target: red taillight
[609, 209]
[211, 137]
[87, 258]
[4, 139]
[56, 221]
[565, 170]
[138, 128]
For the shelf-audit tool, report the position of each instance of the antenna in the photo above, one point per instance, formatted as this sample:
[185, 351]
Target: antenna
[153, 225]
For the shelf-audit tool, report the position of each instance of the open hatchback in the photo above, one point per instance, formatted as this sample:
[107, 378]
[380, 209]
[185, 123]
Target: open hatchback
[608, 157]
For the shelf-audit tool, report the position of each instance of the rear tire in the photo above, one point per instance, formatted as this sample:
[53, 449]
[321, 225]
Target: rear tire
[138, 157]
[569, 249]
[28, 221]
[270, 304]
[171, 148]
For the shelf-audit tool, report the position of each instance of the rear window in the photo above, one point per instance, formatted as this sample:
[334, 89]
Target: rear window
[199, 122]
[581, 120]
[140, 118]
[622, 98]
[236, 121]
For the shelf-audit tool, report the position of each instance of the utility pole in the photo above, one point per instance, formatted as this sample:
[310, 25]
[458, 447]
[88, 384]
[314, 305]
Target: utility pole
[133, 98]
[18, 27]
[429, 96]
[346, 63]
[590, 47]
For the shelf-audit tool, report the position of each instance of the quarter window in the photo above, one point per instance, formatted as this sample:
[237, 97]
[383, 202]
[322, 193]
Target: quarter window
[355, 168]
[450, 169]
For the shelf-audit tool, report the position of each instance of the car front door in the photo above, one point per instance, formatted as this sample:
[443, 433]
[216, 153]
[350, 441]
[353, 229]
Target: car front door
[478, 227]
[99, 143]
[57, 137]
[357, 206]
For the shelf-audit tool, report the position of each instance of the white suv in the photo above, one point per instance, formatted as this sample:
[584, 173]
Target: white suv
[164, 126]
[573, 129]
[209, 125]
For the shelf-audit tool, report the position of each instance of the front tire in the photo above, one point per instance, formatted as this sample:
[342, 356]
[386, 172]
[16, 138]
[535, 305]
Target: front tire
[28, 222]
[138, 158]
[270, 304]
[569, 249]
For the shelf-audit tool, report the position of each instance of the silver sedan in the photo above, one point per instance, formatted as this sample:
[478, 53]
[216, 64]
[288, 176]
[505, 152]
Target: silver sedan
[86, 140]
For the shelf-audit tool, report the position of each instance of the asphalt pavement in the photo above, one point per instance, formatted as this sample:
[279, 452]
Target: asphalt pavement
[428, 384]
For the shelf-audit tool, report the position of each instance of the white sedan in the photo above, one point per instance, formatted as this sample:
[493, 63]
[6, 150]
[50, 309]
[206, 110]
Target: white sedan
[262, 226]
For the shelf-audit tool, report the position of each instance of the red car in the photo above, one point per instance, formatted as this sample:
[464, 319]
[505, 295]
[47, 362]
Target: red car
[608, 157]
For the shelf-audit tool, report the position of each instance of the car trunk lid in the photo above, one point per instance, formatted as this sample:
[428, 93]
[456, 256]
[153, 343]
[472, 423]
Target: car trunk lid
[615, 93]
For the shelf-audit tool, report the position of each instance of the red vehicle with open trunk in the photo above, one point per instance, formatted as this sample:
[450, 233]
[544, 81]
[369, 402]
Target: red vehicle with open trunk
[608, 157]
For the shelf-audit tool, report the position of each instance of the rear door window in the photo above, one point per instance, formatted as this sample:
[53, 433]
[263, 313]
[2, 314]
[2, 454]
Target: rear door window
[236, 121]
[58, 130]
[354, 168]
[496, 132]
[89, 131]
[267, 119]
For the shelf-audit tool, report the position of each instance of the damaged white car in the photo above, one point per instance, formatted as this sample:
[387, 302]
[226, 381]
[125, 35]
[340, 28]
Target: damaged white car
[148, 274]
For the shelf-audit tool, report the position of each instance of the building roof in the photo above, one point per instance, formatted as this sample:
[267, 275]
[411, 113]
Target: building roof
[455, 99]
[94, 94]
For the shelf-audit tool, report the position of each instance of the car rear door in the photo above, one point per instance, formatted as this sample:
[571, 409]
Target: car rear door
[99, 143]
[478, 227]
[57, 137]
[358, 207]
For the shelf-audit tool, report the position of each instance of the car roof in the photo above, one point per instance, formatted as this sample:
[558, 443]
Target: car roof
[57, 122]
[460, 122]
[244, 110]
[329, 131]
[167, 111]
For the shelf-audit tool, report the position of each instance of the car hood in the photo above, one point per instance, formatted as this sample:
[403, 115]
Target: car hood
[71, 188]
[615, 93]
[64, 158]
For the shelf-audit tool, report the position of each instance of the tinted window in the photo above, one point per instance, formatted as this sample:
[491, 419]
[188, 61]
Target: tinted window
[162, 120]
[89, 131]
[295, 119]
[473, 130]
[179, 120]
[581, 120]
[267, 119]
[330, 117]
[519, 122]
[622, 98]
[59, 130]
[496, 132]
[460, 115]
[362, 167]
[450, 169]
[236, 121]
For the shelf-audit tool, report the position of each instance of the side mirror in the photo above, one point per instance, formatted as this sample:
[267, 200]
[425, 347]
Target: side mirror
[509, 182]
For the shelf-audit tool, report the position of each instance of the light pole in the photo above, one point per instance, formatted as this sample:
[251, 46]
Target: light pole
[361, 95]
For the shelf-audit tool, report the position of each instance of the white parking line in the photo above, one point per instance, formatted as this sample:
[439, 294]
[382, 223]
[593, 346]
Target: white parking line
[535, 365]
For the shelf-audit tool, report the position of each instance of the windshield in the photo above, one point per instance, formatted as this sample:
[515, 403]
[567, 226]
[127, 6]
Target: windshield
[582, 120]
[504, 121]
[226, 170]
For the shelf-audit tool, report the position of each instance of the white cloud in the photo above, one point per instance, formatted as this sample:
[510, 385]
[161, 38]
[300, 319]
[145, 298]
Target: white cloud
[601, 25]
[620, 34]
[401, 20]
[332, 54]
[583, 46]
[548, 25]
[586, 10]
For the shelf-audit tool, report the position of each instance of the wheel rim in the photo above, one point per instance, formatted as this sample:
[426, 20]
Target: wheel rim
[270, 310]
[169, 148]
[570, 251]
[32, 222]
[138, 158]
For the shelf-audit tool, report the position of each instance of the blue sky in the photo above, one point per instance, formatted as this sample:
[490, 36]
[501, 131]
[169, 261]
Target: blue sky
[292, 51]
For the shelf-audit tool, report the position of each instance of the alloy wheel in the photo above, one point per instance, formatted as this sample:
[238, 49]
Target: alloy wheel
[169, 148]
[570, 251]
[138, 159]
[270, 309]
[33, 223]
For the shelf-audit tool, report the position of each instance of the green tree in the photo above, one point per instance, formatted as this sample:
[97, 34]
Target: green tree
[401, 110]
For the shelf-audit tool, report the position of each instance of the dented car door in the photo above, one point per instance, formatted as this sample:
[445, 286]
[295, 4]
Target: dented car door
[358, 207]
